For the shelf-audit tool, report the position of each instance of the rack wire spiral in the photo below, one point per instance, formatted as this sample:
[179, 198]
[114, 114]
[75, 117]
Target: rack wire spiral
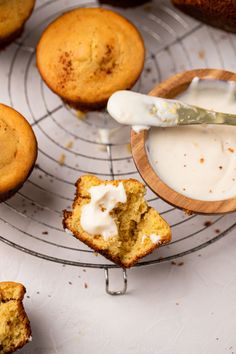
[70, 147]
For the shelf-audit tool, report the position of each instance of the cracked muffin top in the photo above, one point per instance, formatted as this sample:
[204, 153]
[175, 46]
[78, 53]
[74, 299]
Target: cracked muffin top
[87, 54]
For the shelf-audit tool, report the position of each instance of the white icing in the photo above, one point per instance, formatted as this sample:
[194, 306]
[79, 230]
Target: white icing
[142, 111]
[95, 216]
[139, 128]
[153, 237]
[199, 161]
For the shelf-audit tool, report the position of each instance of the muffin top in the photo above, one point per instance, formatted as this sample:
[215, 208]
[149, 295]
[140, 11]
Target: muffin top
[13, 14]
[18, 148]
[88, 53]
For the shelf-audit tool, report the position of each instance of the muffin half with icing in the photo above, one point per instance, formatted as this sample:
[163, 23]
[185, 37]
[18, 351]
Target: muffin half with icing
[13, 15]
[18, 151]
[113, 218]
[87, 54]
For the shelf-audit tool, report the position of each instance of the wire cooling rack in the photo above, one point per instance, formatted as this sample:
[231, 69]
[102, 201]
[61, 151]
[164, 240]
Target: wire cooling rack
[70, 143]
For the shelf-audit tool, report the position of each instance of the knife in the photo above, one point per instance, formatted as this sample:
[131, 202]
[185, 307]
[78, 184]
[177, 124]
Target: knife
[143, 111]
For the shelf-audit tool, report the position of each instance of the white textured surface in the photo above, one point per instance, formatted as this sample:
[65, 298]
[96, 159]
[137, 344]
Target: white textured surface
[169, 309]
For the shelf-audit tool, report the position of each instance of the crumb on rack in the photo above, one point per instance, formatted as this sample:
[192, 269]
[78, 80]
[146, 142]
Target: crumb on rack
[202, 160]
[148, 70]
[179, 264]
[70, 144]
[188, 212]
[62, 159]
[45, 233]
[85, 285]
[201, 54]
[217, 231]
[220, 167]
[129, 147]
[80, 114]
[230, 149]
[207, 223]
[210, 191]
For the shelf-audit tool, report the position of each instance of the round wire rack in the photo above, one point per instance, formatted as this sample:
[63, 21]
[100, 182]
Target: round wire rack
[70, 142]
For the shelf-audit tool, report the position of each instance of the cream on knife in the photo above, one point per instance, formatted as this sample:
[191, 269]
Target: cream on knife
[143, 111]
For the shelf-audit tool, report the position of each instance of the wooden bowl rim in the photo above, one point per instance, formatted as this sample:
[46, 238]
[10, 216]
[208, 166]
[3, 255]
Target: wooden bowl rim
[168, 89]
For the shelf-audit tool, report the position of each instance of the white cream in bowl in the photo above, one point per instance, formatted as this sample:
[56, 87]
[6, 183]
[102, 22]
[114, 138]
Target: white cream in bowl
[199, 161]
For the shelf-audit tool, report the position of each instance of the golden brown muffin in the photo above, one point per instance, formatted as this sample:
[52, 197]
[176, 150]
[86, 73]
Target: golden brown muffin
[87, 54]
[218, 13]
[15, 329]
[18, 151]
[138, 224]
[13, 15]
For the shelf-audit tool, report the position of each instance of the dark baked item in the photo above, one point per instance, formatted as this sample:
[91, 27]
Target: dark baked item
[13, 15]
[124, 3]
[87, 54]
[138, 224]
[218, 13]
[15, 329]
[18, 151]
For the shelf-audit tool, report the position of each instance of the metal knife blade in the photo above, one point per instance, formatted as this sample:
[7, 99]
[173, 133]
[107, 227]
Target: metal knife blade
[188, 115]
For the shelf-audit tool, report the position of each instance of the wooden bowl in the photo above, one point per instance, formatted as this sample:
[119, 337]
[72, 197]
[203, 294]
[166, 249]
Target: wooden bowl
[170, 89]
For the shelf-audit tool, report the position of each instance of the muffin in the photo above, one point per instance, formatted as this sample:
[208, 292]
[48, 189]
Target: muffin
[87, 54]
[13, 15]
[137, 228]
[18, 148]
[15, 329]
[218, 13]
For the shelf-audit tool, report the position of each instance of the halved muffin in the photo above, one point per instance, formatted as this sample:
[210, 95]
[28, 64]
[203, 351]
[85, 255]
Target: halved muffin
[125, 233]
[15, 329]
